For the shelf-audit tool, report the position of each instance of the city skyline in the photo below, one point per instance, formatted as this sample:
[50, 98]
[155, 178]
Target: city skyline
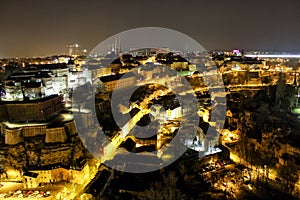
[173, 99]
[33, 28]
[237, 141]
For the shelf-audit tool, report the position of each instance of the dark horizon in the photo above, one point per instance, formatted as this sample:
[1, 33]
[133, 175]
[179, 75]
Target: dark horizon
[35, 28]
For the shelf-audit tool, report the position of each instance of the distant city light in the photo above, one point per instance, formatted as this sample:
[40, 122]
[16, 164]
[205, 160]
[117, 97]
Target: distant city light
[273, 55]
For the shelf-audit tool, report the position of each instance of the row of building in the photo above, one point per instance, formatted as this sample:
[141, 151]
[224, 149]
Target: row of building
[39, 81]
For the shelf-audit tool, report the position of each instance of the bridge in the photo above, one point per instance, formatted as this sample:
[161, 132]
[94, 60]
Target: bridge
[252, 87]
[273, 55]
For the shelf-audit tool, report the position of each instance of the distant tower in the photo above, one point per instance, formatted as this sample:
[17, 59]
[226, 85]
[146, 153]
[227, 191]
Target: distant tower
[119, 45]
[116, 46]
[73, 49]
[70, 49]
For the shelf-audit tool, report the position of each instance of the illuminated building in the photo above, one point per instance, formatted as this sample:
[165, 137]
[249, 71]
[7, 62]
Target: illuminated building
[30, 180]
[77, 172]
[27, 85]
[115, 82]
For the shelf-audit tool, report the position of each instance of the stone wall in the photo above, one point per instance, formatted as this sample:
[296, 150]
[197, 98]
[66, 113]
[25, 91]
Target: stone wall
[36, 110]
[54, 135]
[32, 131]
[71, 128]
[13, 136]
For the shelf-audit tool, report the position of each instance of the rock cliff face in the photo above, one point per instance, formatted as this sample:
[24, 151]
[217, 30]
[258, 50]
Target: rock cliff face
[34, 152]
[39, 144]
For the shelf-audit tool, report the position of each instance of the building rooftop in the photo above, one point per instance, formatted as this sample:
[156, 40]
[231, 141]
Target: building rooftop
[32, 84]
[115, 77]
[30, 101]
[100, 182]
[28, 75]
[77, 164]
[45, 67]
[31, 174]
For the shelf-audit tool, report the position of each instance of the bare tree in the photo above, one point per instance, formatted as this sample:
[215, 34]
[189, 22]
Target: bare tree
[163, 190]
[289, 173]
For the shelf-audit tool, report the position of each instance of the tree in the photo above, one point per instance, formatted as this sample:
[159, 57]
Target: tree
[289, 173]
[163, 190]
[242, 147]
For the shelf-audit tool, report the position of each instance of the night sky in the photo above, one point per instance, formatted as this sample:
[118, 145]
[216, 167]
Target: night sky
[39, 28]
